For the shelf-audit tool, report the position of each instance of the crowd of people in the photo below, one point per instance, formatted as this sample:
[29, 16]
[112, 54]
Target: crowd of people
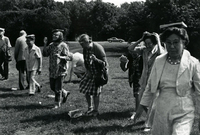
[169, 77]
[162, 73]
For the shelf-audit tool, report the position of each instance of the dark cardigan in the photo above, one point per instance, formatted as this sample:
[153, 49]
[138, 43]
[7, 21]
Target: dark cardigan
[100, 54]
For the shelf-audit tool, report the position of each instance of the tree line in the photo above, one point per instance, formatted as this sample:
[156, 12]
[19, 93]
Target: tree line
[98, 19]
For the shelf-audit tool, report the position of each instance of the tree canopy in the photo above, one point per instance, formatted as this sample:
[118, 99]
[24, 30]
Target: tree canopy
[98, 19]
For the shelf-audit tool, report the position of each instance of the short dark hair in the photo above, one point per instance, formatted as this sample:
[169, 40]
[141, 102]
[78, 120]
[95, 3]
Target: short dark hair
[150, 36]
[175, 30]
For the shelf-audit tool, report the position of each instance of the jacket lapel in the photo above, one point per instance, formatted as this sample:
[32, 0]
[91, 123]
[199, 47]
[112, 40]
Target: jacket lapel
[184, 63]
[156, 75]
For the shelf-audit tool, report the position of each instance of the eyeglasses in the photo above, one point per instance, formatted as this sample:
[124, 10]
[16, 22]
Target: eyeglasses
[174, 43]
[82, 42]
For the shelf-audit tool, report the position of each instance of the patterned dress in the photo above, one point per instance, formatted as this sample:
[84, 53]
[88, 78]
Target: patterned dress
[57, 67]
[87, 83]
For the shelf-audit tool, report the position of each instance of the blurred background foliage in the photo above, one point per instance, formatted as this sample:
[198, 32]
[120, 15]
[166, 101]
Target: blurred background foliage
[98, 19]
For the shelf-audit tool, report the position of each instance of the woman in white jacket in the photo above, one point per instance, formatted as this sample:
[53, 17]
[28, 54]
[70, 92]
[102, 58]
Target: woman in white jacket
[175, 76]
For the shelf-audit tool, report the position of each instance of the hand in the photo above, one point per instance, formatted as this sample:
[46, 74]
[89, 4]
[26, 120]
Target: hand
[144, 34]
[93, 57]
[156, 35]
[38, 72]
[45, 40]
[57, 55]
[123, 58]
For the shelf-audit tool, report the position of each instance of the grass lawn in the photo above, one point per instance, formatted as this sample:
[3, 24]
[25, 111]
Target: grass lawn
[23, 115]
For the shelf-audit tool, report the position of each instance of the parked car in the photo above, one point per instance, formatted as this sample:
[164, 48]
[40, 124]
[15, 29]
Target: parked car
[114, 39]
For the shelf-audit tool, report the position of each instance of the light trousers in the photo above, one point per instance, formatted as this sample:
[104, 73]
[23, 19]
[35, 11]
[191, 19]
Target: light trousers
[32, 82]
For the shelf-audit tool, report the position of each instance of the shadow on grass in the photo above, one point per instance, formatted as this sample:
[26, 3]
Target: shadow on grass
[5, 89]
[48, 118]
[121, 77]
[25, 107]
[104, 116]
[130, 128]
[73, 81]
[114, 115]
[13, 95]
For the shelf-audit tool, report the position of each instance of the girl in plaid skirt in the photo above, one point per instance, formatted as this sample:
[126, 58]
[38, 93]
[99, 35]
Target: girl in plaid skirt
[94, 57]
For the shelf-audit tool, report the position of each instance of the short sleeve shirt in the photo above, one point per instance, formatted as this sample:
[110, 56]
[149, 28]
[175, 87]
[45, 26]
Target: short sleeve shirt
[32, 57]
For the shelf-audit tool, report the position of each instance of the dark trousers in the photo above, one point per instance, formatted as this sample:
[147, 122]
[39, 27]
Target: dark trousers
[21, 66]
[4, 69]
[56, 86]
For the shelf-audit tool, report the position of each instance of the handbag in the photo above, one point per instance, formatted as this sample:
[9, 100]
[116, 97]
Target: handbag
[8, 56]
[101, 78]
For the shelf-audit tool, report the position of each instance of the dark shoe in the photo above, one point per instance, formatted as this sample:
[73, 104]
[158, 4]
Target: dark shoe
[65, 97]
[93, 113]
[31, 94]
[4, 78]
[39, 88]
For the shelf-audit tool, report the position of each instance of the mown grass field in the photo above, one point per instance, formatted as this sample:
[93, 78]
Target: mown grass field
[23, 115]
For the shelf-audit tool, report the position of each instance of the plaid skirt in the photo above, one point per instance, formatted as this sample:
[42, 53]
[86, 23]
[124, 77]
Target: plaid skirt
[87, 86]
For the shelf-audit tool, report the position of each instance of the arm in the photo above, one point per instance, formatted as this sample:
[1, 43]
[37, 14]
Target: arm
[160, 48]
[147, 97]
[133, 45]
[39, 61]
[196, 84]
[65, 53]
[8, 42]
[99, 56]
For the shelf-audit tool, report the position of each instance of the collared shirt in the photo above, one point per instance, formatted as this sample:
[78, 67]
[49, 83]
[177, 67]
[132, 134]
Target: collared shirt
[32, 57]
[57, 67]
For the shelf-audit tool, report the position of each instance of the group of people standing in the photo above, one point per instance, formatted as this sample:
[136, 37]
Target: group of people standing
[86, 66]
[162, 72]
[169, 77]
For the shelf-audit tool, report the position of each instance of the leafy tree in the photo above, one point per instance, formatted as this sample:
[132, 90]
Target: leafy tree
[103, 20]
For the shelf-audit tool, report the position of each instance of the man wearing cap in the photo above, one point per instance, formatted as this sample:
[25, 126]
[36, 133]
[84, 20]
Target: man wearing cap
[4, 46]
[58, 52]
[20, 46]
[33, 58]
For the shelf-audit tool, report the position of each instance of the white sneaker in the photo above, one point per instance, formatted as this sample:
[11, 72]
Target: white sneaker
[133, 115]
[147, 129]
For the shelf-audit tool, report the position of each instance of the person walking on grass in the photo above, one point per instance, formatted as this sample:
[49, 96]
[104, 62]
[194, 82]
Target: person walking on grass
[149, 51]
[133, 63]
[33, 58]
[175, 76]
[58, 53]
[20, 46]
[94, 58]
[4, 60]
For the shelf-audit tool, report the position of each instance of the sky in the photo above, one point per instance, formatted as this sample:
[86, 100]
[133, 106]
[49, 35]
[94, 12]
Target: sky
[116, 2]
